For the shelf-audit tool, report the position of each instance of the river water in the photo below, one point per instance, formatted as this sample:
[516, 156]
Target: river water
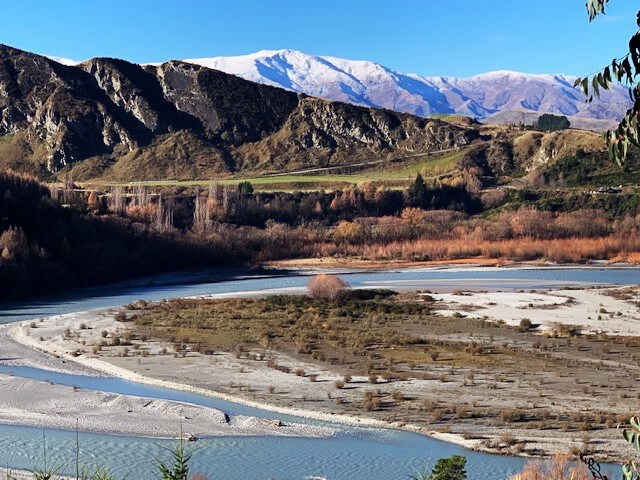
[356, 453]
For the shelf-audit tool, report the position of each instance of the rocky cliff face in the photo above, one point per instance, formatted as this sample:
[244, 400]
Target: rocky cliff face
[111, 118]
[321, 133]
[60, 113]
[528, 150]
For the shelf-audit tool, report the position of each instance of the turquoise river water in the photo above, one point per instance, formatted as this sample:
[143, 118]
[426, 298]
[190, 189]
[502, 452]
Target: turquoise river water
[356, 453]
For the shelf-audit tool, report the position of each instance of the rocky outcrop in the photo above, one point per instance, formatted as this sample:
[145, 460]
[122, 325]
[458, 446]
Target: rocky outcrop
[322, 133]
[135, 122]
[64, 115]
[523, 151]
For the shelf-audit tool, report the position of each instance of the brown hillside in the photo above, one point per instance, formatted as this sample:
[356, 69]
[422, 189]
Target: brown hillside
[112, 119]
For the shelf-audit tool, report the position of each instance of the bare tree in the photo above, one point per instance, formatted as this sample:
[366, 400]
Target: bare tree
[228, 197]
[141, 197]
[67, 188]
[93, 202]
[56, 193]
[117, 200]
[68, 181]
[202, 210]
[217, 201]
[164, 214]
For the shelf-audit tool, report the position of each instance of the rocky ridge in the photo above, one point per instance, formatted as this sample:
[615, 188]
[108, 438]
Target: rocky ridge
[111, 118]
[497, 97]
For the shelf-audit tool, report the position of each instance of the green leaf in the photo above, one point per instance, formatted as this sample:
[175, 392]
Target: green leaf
[611, 152]
[595, 8]
[585, 86]
[626, 69]
[596, 86]
[634, 127]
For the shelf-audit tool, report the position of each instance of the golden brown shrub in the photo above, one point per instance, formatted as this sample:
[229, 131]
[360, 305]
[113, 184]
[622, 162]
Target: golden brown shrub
[556, 468]
[326, 287]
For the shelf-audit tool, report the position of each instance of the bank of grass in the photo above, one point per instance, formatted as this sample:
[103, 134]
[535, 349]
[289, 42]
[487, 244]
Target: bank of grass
[354, 325]
[392, 175]
[428, 166]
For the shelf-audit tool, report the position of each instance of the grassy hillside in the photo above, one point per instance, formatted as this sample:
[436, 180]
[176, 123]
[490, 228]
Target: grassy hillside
[397, 174]
[507, 156]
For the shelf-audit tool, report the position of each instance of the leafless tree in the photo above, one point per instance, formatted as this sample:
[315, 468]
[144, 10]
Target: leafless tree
[202, 212]
[164, 214]
[117, 201]
[141, 197]
[67, 188]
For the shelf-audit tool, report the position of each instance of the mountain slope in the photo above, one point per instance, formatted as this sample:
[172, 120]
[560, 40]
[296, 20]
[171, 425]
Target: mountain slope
[370, 84]
[111, 118]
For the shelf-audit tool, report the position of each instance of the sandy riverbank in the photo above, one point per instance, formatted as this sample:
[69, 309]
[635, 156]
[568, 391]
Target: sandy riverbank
[356, 263]
[44, 404]
[160, 370]
[613, 310]
[35, 403]
[11, 474]
[253, 383]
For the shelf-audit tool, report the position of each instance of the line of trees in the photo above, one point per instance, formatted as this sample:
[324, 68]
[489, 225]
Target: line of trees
[69, 238]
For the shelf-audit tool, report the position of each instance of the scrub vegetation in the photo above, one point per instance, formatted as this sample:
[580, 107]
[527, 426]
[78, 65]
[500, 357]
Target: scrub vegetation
[64, 237]
[416, 361]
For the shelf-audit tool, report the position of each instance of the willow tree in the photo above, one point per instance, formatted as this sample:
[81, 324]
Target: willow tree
[623, 70]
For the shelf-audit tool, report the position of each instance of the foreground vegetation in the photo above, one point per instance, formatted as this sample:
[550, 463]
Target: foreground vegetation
[403, 343]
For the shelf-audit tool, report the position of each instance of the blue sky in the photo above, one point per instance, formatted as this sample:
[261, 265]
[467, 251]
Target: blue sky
[430, 37]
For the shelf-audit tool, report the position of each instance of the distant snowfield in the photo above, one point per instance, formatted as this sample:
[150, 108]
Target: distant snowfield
[497, 97]
[374, 85]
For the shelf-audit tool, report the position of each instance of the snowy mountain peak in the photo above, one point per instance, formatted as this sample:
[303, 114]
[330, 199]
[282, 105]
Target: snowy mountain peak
[511, 73]
[370, 84]
[63, 61]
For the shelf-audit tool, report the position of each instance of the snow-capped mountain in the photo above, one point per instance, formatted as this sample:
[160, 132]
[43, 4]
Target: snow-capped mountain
[370, 84]
[64, 61]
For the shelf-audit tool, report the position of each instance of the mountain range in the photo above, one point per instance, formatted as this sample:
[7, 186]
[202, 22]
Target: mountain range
[108, 118]
[495, 97]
